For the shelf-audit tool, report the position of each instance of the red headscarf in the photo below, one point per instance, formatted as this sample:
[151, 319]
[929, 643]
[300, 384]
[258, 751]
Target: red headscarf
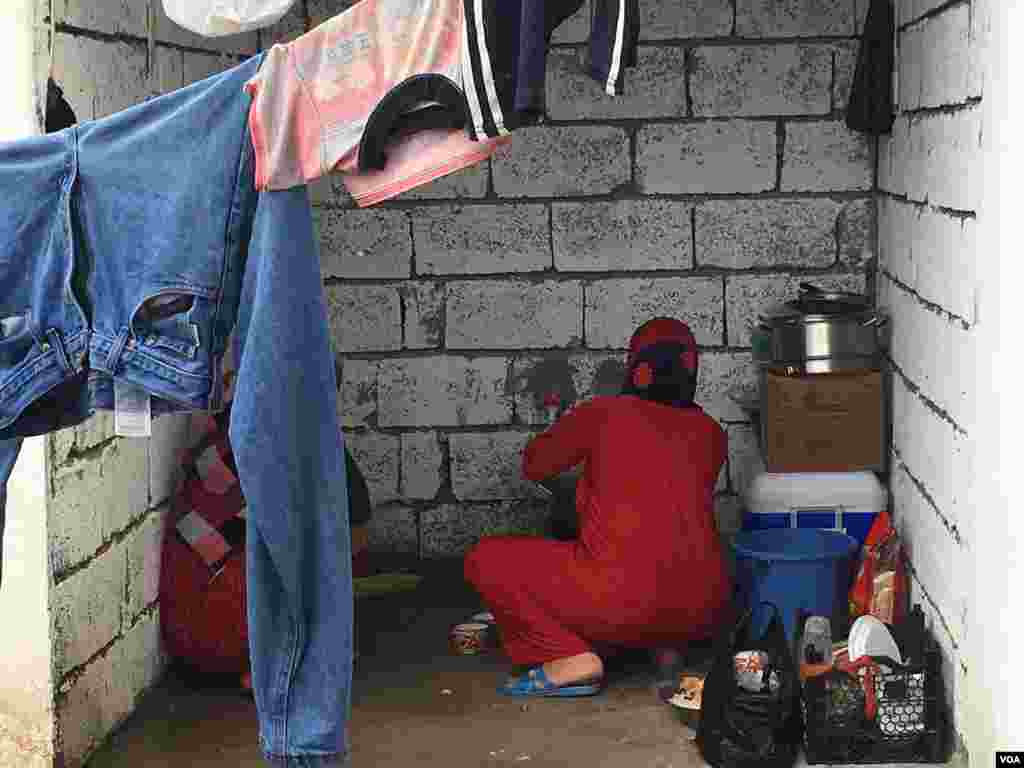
[664, 329]
[662, 362]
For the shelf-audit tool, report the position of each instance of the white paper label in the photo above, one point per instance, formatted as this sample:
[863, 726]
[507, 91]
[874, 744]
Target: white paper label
[132, 414]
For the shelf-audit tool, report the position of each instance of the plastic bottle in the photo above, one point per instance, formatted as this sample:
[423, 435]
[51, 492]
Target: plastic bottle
[815, 647]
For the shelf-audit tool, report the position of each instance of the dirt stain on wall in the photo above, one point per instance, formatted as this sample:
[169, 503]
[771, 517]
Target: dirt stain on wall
[608, 377]
[552, 376]
[557, 376]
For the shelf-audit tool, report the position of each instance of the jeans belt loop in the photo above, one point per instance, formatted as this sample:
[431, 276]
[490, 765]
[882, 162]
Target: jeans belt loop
[115, 351]
[57, 343]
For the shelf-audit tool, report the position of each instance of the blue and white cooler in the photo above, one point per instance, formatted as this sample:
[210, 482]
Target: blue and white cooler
[837, 501]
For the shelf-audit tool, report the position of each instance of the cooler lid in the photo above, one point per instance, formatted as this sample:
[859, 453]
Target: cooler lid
[853, 491]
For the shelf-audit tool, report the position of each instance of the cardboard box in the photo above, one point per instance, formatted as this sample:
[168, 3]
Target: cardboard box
[832, 422]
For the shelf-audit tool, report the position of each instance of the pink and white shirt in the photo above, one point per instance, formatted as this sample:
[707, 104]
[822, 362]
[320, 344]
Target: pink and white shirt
[316, 99]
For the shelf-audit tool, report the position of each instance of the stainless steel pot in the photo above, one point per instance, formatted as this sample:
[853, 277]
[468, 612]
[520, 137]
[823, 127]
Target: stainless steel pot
[820, 332]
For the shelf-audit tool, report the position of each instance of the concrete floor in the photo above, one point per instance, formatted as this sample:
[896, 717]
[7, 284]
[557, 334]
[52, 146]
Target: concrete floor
[415, 704]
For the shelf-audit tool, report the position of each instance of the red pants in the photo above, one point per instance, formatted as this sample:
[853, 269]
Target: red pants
[550, 601]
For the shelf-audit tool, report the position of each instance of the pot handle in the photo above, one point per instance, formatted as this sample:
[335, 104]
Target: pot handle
[876, 320]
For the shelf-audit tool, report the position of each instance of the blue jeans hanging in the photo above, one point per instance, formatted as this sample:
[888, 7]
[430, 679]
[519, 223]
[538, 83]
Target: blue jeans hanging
[130, 247]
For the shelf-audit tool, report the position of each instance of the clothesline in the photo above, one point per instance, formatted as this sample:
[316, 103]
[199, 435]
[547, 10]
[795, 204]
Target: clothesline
[396, 94]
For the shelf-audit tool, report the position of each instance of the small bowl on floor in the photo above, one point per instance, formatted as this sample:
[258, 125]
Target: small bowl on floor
[687, 698]
[469, 639]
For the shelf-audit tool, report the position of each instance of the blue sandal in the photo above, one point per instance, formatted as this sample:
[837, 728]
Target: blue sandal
[536, 683]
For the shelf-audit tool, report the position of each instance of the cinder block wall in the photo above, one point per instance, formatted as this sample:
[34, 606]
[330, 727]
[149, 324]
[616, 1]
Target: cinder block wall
[928, 203]
[722, 178]
[109, 497]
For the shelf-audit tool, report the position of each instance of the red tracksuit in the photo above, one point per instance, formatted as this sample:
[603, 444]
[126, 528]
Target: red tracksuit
[648, 569]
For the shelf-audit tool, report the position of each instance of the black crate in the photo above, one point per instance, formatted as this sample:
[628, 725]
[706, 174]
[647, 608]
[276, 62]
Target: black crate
[910, 725]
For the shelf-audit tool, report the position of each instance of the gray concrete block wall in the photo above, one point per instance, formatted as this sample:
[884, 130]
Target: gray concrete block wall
[109, 500]
[720, 179]
[929, 199]
[109, 497]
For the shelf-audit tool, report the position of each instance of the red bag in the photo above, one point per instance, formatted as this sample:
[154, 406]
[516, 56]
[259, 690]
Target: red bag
[202, 576]
[880, 587]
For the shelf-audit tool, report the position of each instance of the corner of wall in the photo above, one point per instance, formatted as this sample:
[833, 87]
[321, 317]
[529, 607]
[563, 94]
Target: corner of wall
[929, 184]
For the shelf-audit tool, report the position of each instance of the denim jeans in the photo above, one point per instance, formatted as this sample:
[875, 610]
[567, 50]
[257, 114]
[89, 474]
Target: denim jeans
[286, 438]
[130, 247]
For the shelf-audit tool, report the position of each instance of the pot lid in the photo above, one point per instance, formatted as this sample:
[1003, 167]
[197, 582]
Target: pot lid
[814, 304]
[825, 308]
[793, 312]
[809, 290]
[817, 301]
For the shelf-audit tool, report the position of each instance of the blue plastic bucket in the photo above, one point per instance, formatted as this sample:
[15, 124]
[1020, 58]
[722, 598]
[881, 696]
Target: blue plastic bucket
[796, 569]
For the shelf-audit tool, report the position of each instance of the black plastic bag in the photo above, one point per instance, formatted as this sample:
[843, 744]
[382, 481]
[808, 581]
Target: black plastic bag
[746, 729]
[360, 509]
[870, 107]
